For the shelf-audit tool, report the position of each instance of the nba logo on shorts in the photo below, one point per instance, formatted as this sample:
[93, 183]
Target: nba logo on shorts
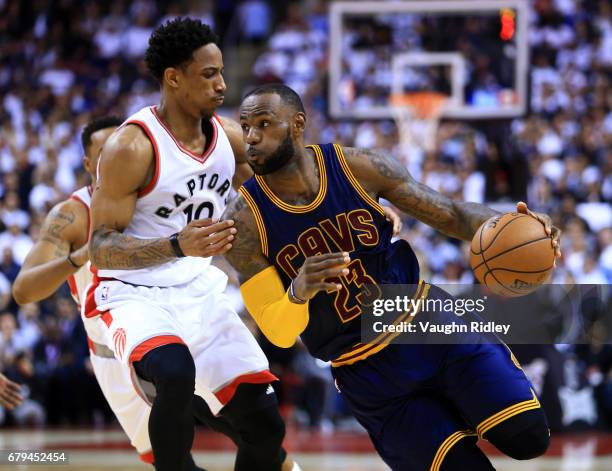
[119, 342]
[104, 294]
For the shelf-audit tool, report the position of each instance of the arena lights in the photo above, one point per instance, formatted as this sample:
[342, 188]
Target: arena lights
[507, 24]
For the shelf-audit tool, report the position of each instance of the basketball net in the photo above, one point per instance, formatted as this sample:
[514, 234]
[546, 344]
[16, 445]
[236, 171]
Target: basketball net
[417, 115]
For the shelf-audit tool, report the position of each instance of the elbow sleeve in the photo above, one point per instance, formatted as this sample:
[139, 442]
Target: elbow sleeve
[279, 319]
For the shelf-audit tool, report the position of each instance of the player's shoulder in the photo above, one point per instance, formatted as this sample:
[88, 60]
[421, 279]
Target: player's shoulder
[359, 160]
[70, 215]
[70, 204]
[229, 125]
[130, 138]
[239, 210]
[128, 148]
[357, 155]
[367, 163]
[233, 131]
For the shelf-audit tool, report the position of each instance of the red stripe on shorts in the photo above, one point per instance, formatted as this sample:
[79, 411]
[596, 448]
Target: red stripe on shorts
[146, 457]
[225, 394]
[145, 347]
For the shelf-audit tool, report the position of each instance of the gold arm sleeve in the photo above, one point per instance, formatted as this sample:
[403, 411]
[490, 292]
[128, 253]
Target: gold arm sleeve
[268, 303]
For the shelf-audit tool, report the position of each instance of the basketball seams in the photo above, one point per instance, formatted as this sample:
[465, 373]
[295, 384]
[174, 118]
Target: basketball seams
[508, 250]
[484, 278]
[499, 231]
[522, 271]
[500, 284]
[504, 279]
[507, 288]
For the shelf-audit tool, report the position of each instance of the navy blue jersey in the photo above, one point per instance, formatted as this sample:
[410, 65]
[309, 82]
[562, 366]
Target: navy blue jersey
[342, 217]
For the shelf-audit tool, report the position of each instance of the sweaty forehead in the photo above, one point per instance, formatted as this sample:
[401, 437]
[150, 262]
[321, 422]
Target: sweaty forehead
[267, 103]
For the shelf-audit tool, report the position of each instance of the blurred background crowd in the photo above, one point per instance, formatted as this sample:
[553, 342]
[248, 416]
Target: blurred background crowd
[68, 61]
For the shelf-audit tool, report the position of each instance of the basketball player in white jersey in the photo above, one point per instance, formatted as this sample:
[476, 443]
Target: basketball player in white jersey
[60, 255]
[164, 179]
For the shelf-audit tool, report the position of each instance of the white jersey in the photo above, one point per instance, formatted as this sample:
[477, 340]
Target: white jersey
[113, 377]
[83, 276]
[185, 186]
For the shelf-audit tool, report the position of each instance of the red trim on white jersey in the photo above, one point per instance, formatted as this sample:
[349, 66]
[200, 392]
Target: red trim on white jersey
[91, 308]
[146, 457]
[80, 200]
[151, 344]
[149, 188]
[84, 199]
[225, 394]
[107, 318]
[194, 155]
[218, 118]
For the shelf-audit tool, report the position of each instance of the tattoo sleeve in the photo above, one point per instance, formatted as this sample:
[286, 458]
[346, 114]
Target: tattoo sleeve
[391, 180]
[53, 232]
[245, 255]
[470, 218]
[112, 250]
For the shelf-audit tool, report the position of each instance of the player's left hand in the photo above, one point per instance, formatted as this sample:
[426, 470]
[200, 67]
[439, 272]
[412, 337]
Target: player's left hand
[10, 393]
[80, 256]
[553, 231]
[394, 219]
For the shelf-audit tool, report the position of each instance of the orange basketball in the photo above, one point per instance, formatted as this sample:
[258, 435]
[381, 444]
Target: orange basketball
[512, 254]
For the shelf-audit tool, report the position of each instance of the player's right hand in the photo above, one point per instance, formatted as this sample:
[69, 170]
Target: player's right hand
[206, 238]
[10, 393]
[315, 274]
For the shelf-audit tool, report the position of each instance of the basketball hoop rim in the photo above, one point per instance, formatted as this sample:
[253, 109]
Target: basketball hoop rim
[420, 105]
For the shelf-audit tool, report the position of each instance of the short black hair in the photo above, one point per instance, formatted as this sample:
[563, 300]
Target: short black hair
[287, 94]
[97, 124]
[173, 44]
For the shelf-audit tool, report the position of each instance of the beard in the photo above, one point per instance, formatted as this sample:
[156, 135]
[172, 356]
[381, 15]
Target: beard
[276, 159]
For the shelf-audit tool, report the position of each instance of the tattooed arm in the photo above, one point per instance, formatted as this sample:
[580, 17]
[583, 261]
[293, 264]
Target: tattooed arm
[281, 317]
[384, 176]
[125, 167]
[245, 255]
[47, 266]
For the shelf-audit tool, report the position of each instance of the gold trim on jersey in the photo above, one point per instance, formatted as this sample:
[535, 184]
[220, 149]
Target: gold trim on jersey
[447, 444]
[300, 209]
[505, 414]
[354, 182]
[362, 351]
[512, 357]
[261, 228]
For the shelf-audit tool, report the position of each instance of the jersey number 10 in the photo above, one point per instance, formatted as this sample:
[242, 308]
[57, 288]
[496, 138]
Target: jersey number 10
[198, 212]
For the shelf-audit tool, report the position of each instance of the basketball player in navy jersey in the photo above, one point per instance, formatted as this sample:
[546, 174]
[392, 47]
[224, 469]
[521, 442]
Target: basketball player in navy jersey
[310, 233]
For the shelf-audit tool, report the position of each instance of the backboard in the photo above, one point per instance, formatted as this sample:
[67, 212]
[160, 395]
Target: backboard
[475, 51]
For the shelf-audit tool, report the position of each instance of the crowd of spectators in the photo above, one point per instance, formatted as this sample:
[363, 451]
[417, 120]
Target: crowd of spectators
[66, 62]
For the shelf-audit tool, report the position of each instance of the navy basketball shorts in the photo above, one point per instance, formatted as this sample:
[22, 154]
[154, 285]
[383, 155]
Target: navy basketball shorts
[418, 401]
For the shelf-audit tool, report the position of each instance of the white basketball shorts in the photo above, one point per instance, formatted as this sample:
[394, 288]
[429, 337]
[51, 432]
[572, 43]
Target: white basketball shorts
[115, 381]
[197, 314]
